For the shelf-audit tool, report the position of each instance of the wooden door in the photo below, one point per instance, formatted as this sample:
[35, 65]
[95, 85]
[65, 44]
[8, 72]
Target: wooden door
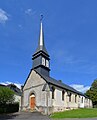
[32, 102]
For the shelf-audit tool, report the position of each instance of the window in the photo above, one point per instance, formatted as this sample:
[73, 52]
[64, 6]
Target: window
[47, 63]
[70, 97]
[75, 98]
[82, 99]
[43, 61]
[53, 92]
[63, 95]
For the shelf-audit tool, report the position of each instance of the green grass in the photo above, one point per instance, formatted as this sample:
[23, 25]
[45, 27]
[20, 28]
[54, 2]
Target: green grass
[78, 113]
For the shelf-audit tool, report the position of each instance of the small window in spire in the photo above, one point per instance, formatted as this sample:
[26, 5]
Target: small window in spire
[43, 61]
[47, 63]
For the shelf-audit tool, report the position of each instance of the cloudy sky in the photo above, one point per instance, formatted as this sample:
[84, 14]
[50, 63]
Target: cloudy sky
[70, 30]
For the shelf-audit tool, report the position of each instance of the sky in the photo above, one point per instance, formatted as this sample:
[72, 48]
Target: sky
[70, 34]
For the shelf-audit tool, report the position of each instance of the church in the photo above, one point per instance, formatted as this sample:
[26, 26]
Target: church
[45, 94]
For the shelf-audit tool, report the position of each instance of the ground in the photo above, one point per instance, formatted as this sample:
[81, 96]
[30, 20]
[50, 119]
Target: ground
[32, 116]
[24, 116]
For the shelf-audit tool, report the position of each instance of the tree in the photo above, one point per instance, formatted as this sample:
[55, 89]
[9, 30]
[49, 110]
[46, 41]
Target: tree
[6, 95]
[92, 93]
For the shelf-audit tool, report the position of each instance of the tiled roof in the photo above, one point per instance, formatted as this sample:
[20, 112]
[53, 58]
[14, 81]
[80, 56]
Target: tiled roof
[55, 82]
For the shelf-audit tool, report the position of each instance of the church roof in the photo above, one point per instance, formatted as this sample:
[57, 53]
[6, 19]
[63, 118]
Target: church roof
[55, 82]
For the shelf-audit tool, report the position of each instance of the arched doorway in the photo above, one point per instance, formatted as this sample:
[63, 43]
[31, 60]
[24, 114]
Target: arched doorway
[32, 101]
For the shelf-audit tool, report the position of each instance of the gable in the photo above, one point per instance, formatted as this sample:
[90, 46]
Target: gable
[34, 79]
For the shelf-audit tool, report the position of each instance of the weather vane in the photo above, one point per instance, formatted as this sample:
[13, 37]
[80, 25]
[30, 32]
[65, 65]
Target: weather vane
[41, 17]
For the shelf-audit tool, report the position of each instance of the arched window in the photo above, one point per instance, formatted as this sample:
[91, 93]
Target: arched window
[70, 97]
[53, 92]
[63, 95]
[75, 98]
[82, 100]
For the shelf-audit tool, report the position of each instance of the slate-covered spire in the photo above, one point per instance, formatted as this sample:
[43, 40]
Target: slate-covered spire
[41, 57]
[41, 44]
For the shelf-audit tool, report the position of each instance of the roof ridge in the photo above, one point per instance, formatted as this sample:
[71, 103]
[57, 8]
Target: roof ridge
[62, 85]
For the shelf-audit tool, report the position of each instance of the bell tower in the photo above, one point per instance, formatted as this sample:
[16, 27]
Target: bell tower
[41, 57]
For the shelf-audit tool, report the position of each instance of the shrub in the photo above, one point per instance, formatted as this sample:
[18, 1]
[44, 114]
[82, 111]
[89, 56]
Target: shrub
[9, 108]
[6, 95]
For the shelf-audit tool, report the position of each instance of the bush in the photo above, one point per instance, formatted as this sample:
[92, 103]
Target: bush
[6, 95]
[9, 108]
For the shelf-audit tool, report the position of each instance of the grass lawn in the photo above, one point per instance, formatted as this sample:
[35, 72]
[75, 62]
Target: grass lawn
[78, 113]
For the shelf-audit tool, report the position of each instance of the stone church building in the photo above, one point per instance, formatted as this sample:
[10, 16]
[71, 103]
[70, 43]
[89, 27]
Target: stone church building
[44, 93]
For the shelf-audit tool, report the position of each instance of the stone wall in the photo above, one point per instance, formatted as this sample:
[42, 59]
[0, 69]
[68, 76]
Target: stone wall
[44, 101]
[34, 85]
[57, 104]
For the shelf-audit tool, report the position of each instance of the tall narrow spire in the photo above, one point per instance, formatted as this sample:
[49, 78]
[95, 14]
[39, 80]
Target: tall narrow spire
[41, 57]
[41, 45]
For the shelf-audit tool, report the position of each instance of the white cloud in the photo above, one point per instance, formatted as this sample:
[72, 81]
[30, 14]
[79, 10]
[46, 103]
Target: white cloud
[7, 82]
[30, 12]
[3, 16]
[80, 88]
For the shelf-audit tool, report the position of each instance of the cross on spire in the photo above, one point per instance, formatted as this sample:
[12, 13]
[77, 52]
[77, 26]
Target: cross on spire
[41, 17]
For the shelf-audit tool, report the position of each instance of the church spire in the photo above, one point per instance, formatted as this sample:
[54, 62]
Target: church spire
[41, 57]
[41, 45]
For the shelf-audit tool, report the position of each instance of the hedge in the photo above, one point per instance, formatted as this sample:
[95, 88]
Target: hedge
[9, 108]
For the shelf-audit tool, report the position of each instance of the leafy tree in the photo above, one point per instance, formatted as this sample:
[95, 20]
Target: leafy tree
[6, 95]
[94, 85]
[92, 93]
